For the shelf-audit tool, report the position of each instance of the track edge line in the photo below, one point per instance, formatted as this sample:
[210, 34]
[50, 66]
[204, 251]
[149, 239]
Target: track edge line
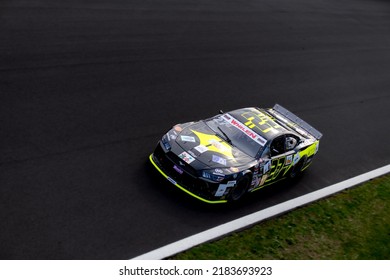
[251, 219]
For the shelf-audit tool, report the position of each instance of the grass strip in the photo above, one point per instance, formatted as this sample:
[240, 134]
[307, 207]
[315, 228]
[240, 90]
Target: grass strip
[351, 225]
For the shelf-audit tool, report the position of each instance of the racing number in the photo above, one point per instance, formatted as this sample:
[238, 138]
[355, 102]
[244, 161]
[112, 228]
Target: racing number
[278, 166]
[261, 121]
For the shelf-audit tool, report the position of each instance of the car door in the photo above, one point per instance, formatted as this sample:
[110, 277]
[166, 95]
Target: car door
[275, 161]
[282, 154]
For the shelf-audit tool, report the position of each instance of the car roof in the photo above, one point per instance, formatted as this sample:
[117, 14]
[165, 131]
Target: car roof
[260, 122]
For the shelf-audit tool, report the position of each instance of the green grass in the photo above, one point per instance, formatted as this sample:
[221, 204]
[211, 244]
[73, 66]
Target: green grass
[354, 224]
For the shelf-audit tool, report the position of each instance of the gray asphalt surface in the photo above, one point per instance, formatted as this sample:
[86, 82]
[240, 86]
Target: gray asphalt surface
[87, 87]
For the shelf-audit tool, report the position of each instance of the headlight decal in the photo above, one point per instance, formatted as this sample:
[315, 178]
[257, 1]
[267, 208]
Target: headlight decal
[165, 142]
[212, 176]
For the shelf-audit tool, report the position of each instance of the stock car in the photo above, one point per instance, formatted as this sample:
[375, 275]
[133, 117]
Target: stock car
[225, 157]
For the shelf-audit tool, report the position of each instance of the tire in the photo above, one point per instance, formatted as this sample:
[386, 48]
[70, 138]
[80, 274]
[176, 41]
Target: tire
[241, 188]
[296, 171]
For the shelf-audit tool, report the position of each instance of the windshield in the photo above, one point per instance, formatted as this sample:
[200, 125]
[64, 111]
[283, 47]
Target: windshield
[237, 134]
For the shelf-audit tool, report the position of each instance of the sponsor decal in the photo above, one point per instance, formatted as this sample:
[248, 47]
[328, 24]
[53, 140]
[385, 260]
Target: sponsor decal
[222, 188]
[247, 131]
[296, 158]
[214, 144]
[266, 167]
[171, 180]
[201, 149]
[263, 179]
[231, 183]
[219, 160]
[178, 169]
[186, 157]
[217, 170]
[227, 117]
[218, 145]
[289, 159]
[185, 138]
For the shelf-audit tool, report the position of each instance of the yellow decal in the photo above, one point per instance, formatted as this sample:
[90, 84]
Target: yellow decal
[278, 165]
[215, 144]
[311, 150]
[262, 122]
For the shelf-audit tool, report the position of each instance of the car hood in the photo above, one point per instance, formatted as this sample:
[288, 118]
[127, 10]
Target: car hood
[200, 143]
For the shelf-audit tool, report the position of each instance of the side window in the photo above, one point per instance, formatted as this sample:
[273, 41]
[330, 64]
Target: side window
[291, 142]
[278, 146]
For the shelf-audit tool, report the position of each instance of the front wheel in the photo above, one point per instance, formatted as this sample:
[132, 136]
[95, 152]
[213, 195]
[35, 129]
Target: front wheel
[241, 188]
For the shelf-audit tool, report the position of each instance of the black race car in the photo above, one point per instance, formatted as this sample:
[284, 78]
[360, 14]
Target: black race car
[222, 158]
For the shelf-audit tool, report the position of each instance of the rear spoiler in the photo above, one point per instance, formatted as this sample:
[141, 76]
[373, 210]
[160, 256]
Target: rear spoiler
[278, 111]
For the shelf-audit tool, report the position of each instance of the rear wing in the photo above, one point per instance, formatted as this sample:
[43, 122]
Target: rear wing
[294, 121]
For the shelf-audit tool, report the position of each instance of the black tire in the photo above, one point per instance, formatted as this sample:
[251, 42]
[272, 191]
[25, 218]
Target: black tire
[296, 171]
[241, 188]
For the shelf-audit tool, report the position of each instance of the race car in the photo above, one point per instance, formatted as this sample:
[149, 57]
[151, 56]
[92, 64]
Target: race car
[225, 157]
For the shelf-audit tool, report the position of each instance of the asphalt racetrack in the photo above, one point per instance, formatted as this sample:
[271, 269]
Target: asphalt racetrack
[87, 87]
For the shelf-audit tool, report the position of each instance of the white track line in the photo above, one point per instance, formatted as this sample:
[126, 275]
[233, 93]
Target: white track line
[224, 229]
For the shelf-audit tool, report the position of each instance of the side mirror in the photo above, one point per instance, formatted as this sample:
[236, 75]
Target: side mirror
[220, 111]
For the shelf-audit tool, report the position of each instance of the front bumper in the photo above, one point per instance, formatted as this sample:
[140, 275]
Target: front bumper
[193, 186]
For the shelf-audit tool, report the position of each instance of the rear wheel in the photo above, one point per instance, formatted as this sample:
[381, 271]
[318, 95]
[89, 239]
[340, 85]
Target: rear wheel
[296, 171]
[241, 188]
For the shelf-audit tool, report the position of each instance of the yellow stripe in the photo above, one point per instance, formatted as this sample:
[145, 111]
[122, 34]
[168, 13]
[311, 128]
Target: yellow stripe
[180, 187]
